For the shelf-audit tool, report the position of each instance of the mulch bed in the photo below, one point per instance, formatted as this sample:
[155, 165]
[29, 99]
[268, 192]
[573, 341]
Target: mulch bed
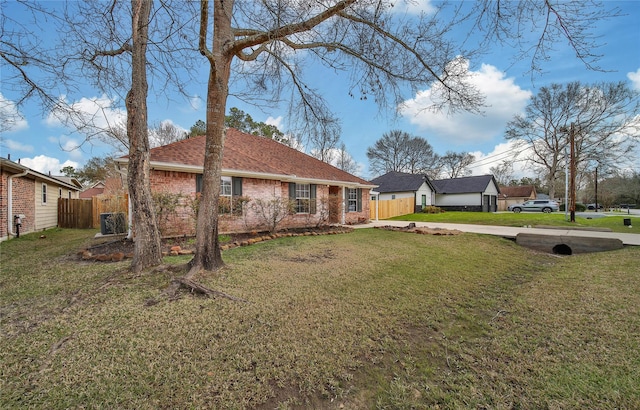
[115, 250]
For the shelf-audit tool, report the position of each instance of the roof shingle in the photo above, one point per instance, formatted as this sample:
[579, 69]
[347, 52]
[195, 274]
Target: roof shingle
[400, 182]
[250, 153]
[463, 185]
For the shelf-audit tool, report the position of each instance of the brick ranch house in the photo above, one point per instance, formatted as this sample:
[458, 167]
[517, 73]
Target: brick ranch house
[31, 195]
[257, 169]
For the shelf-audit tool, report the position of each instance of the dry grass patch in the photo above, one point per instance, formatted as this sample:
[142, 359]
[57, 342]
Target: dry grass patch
[368, 319]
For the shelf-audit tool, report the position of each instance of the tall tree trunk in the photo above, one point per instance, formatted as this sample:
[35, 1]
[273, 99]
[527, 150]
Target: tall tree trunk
[147, 249]
[207, 254]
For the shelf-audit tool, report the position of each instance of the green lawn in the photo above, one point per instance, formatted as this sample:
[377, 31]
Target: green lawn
[369, 319]
[614, 222]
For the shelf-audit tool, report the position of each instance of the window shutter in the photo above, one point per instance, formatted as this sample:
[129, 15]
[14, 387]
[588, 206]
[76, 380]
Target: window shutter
[236, 186]
[292, 190]
[198, 182]
[359, 205]
[312, 198]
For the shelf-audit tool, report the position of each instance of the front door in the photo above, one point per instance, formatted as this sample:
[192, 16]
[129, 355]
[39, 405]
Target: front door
[335, 204]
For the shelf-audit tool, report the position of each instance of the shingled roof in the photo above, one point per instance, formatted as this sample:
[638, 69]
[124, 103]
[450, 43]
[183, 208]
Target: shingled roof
[252, 156]
[400, 182]
[464, 185]
[520, 191]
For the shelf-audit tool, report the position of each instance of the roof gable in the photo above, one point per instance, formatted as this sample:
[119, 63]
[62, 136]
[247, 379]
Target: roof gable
[252, 154]
[464, 185]
[400, 182]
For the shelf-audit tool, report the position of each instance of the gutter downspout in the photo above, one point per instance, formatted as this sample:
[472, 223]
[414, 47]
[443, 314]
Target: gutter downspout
[10, 201]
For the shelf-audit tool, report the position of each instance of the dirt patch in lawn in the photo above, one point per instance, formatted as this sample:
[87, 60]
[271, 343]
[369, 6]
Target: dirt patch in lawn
[115, 249]
[412, 228]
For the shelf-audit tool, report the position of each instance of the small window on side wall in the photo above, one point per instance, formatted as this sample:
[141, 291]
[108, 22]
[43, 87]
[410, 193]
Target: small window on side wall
[44, 194]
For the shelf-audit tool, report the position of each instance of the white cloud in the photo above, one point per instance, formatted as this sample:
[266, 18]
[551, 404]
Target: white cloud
[276, 122]
[635, 79]
[91, 115]
[503, 99]
[414, 7]
[11, 120]
[17, 146]
[46, 165]
[509, 150]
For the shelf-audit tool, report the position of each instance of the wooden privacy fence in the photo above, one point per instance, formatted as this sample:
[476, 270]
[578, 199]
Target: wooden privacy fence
[108, 204]
[391, 207]
[85, 213]
[75, 213]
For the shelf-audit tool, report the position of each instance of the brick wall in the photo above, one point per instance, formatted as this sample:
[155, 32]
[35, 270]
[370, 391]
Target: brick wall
[183, 221]
[24, 200]
[3, 204]
[23, 192]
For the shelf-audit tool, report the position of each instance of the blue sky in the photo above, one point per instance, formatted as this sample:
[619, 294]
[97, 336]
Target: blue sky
[42, 143]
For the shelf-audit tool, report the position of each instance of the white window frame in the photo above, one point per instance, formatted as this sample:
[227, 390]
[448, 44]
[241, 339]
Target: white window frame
[44, 194]
[352, 200]
[226, 187]
[303, 198]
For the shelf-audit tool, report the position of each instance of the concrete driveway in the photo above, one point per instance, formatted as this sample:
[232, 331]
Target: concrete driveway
[511, 232]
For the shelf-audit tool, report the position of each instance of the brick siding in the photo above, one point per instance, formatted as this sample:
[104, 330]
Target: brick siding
[182, 222]
[23, 192]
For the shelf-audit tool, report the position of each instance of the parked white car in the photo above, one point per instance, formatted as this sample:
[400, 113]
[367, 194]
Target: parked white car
[544, 205]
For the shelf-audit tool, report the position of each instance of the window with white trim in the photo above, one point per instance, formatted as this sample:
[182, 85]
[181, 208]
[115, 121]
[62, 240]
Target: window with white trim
[44, 193]
[303, 198]
[353, 199]
[225, 186]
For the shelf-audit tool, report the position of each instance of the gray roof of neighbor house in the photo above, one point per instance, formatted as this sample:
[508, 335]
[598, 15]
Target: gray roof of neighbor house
[464, 185]
[251, 156]
[400, 182]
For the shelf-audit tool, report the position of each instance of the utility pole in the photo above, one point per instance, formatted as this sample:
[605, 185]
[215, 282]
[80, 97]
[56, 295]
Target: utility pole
[596, 186]
[572, 184]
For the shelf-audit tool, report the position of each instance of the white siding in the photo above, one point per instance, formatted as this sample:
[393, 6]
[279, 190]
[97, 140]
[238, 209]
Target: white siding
[473, 199]
[46, 213]
[424, 190]
[491, 189]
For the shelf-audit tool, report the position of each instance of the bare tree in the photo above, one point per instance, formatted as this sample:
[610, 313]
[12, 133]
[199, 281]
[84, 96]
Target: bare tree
[345, 161]
[266, 44]
[164, 133]
[29, 69]
[456, 164]
[605, 119]
[401, 152]
[503, 172]
[147, 251]
[323, 138]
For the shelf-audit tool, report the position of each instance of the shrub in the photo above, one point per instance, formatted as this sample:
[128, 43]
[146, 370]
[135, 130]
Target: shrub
[270, 212]
[431, 209]
[579, 207]
[166, 205]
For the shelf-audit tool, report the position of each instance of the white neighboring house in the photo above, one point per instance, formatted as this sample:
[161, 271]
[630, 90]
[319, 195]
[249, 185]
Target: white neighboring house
[397, 185]
[473, 193]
